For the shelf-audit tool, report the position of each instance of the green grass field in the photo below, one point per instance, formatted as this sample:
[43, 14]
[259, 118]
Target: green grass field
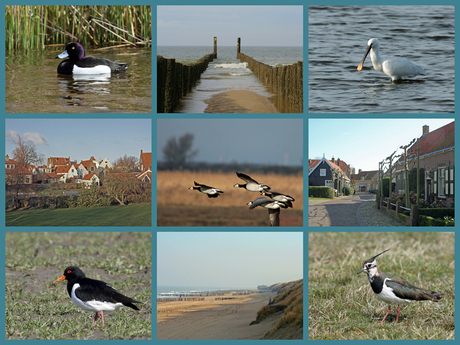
[35, 308]
[342, 304]
[131, 215]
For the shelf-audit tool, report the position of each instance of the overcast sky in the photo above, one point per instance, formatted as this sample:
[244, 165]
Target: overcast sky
[256, 25]
[80, 139]
[229, 259]
[261, 141]
[363, 143]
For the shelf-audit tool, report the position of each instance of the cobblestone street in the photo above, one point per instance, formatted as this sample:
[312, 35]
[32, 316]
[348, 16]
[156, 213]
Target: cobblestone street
[355, 210]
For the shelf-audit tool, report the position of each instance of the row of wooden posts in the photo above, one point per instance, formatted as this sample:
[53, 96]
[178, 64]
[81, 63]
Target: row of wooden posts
[175, 80]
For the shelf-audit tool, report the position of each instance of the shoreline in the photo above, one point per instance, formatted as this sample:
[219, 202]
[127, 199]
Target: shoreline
[239, 101]
[214, 317]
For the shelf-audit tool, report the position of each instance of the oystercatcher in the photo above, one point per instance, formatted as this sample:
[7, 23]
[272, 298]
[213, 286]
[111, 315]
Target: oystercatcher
[94, 295]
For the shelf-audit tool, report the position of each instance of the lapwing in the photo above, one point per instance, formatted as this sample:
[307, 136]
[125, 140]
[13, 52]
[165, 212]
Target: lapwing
[211, 192]
[267, 203]
[94, 295]
[251, 184]
[287, 199]
[394, 290]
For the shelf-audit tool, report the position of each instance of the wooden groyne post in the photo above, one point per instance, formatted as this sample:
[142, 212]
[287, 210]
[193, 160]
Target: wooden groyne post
[238, 47]
[175, 80]
[287, 81]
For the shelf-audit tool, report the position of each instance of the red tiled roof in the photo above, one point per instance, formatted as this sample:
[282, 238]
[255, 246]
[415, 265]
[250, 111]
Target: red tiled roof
[88, 177]
[147, 160]
[437, 140]
[60, 160]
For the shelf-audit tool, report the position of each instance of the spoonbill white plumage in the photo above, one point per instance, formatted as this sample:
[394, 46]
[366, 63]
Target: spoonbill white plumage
[392, 66]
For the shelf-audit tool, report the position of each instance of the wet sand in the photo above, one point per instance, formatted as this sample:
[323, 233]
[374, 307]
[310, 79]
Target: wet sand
[239, 101]
[213, 319]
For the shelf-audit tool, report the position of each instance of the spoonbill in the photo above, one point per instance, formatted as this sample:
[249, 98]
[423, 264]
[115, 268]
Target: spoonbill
[392, 66]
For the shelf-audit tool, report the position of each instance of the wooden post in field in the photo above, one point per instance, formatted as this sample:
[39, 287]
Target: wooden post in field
[238, 46]
[215, 47]
[274, 217]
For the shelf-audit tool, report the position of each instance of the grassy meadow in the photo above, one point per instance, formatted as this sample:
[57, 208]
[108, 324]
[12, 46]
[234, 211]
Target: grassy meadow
[35, 308]
[130, 215]
[342, 304]
[179, 206]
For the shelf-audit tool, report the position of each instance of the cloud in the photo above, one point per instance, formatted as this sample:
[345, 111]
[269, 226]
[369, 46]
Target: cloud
[34, 139]
[28, 138]
[12, 136]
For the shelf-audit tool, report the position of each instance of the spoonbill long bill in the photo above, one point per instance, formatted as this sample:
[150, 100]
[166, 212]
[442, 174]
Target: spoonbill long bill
[394, 67]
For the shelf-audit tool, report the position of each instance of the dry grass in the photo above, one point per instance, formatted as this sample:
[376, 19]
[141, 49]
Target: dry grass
[173, 188]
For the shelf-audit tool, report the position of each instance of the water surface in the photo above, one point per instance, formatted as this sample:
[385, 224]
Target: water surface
[337, 41]
[32, 84]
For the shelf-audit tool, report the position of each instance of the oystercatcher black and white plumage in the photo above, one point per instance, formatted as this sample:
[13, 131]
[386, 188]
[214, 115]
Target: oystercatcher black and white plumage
[94, 295]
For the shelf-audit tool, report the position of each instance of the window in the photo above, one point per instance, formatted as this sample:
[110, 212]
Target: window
[322, 172]
[442, 182]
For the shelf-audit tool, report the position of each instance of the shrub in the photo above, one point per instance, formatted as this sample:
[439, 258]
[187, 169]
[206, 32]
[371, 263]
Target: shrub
[348, 191]
[321, 192]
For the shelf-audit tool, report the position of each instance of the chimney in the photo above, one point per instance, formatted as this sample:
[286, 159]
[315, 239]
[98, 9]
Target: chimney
[425, 129]
[359, 171]
[333, 160]
[338, 162]
[7, 158]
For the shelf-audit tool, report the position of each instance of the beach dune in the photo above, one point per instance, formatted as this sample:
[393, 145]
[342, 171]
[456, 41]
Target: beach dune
[214, 318]
[239, 101]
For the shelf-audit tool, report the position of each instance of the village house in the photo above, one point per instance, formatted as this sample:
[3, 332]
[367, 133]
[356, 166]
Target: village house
[15, 174]
[54, 162]
[145, 167]
[437, 159]
[329, 173]
[364, 181]
[89, 179]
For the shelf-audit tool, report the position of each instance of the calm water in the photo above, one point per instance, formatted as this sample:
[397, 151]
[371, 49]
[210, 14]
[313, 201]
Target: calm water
[337, 43]
[227, 72]
[33, 85]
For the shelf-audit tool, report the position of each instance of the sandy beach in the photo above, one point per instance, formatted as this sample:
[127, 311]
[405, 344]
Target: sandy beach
[239, 101]
[214, 318]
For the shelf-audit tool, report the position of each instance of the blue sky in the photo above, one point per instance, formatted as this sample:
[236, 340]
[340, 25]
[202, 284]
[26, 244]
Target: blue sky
[256, 25]
[80, 139]
[229, 259]
[261, 141]
[363, 143]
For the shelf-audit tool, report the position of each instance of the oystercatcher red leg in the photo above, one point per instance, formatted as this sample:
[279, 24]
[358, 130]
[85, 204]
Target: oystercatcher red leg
[389, 309]
[95, 319]
[102, 318]
[397, 315]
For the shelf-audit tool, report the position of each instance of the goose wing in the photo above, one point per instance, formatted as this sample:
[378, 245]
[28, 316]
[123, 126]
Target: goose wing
[246, 178]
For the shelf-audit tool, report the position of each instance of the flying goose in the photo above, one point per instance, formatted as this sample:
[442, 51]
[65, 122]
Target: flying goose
[279, 197]
[250, 185]
[211, 192]
[267, 203]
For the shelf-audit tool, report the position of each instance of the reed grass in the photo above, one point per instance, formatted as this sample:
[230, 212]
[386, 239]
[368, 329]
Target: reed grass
[32, 27]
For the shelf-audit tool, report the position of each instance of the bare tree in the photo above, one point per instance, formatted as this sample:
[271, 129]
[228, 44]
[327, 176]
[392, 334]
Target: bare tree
[120, 186]
[178, 152]
[26, 154]
[126, 164]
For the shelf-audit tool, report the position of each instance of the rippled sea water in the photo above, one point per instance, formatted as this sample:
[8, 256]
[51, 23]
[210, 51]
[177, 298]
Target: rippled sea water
[337, 42]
